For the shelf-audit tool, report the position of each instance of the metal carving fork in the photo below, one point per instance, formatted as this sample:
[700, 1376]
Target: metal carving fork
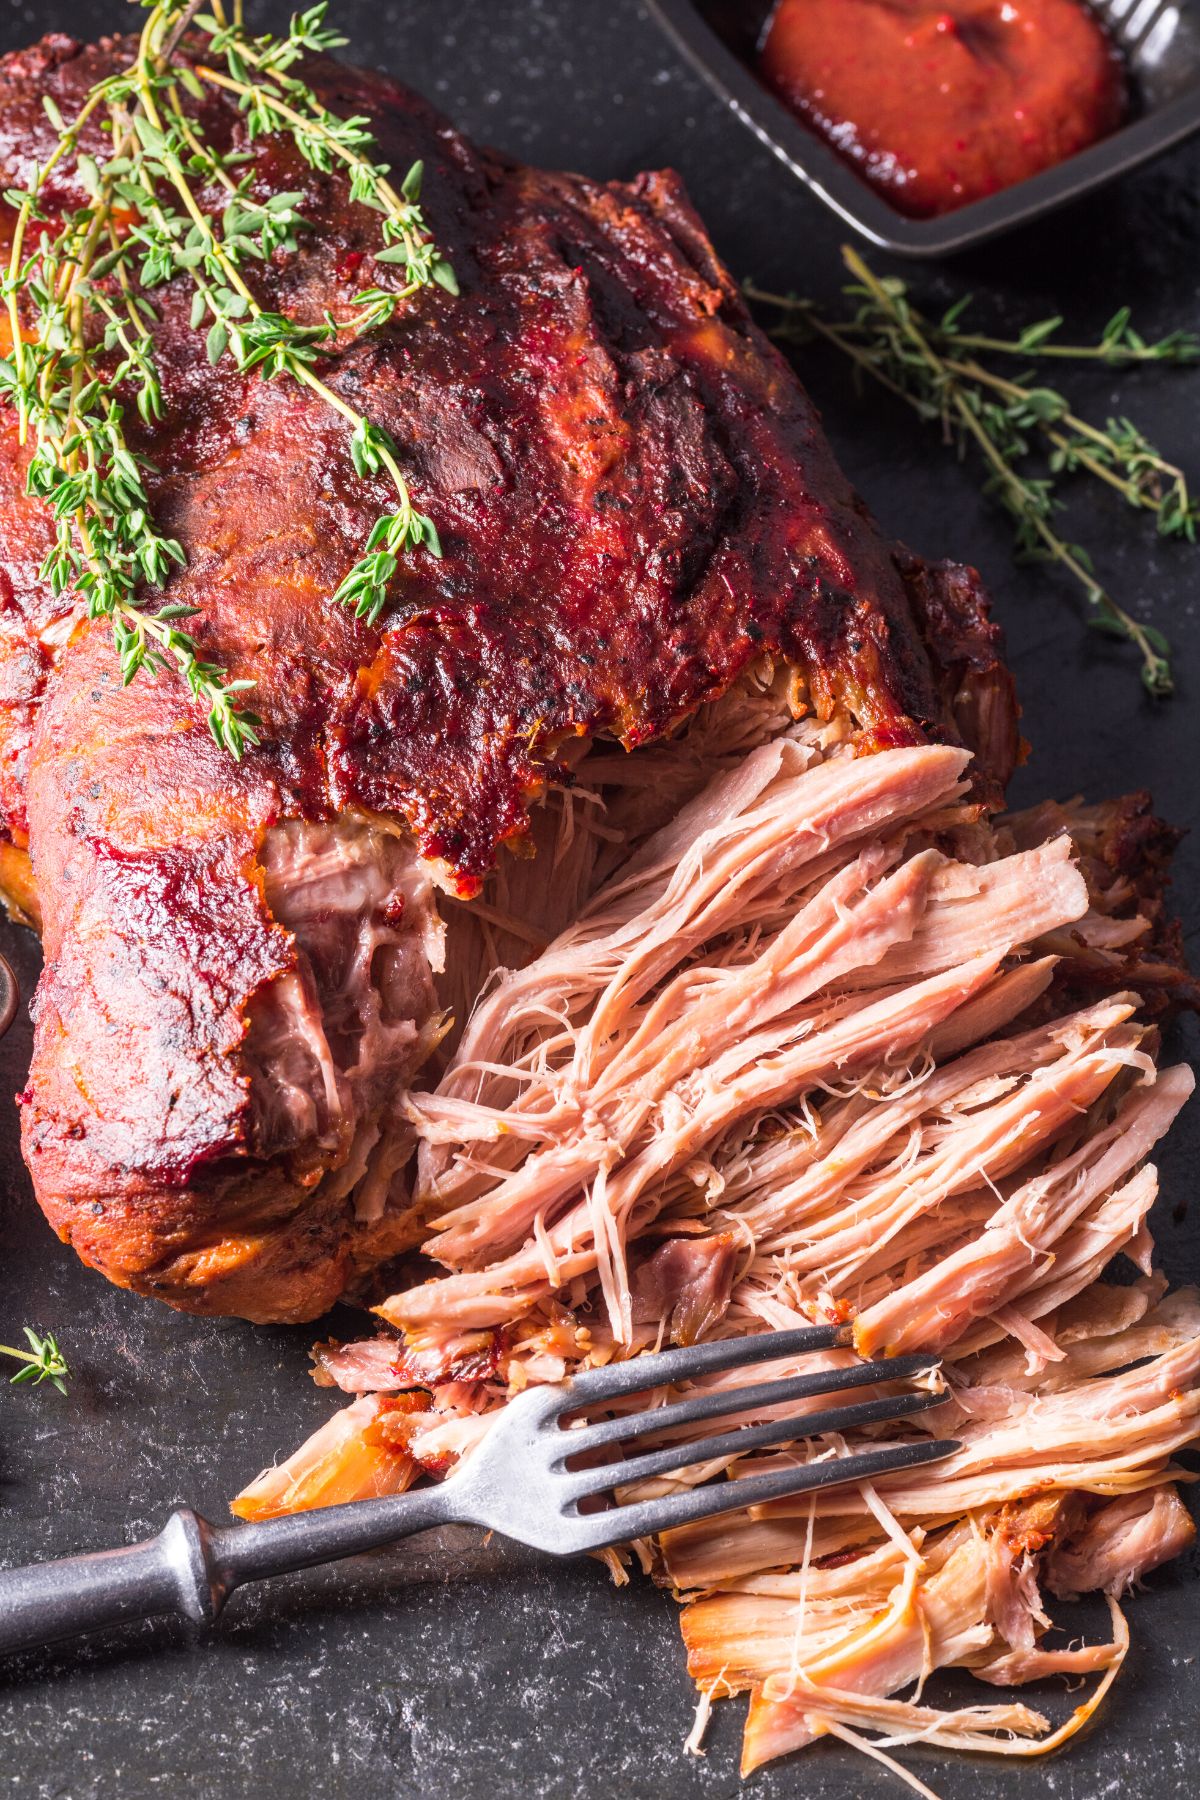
[523, 1480]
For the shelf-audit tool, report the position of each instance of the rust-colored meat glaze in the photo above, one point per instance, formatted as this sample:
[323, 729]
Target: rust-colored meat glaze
[940, 102]
[636, 502]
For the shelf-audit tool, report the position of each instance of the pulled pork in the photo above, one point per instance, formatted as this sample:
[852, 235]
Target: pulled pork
[826, 1045]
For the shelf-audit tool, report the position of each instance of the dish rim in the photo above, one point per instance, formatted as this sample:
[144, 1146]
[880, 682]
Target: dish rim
[837, 185]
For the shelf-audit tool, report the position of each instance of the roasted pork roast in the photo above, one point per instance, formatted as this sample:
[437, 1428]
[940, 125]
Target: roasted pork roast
[636, 504]
[621, 942]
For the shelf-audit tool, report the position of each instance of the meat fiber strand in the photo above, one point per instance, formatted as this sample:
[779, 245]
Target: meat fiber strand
[806, 1058]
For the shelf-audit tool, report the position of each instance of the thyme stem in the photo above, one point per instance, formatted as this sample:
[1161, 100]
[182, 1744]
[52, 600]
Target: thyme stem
[1120, 351]
[934, 369]
[1134, 493]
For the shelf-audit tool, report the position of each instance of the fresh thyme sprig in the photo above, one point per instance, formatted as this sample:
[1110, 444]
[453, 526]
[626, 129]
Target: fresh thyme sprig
[1120, 346]
[86, 285]
[257, 71]
[106, 544]
[43, 1361]
[935, 367]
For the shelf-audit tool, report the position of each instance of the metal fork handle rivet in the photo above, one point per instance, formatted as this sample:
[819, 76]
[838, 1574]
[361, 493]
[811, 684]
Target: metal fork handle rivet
[174, 1571]
[185, 1542]
[191, 1567]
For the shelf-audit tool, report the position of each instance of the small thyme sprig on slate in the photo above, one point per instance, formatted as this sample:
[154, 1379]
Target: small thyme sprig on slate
[87, 283]
[935, 368]
[43, 1361]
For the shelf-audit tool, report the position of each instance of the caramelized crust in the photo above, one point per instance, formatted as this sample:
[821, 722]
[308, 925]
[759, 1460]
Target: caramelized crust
[636, 500]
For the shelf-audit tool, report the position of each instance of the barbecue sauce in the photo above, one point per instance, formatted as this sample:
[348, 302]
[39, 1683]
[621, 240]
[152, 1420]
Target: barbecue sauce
[939, 105]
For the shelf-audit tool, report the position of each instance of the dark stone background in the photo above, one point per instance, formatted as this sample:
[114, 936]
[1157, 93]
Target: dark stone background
[449, 1668]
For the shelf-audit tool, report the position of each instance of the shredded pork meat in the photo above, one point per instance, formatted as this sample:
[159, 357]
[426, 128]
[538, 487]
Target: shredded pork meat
[816, 1049]
[359, 904]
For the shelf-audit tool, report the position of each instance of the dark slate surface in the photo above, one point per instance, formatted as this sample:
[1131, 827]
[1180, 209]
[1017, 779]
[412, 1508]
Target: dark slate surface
[450, 1668]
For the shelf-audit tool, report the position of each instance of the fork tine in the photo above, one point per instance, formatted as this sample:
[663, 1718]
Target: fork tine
[1144, 29]
[732, 1443]
[740, 1399]
[647, 1518]
[595, 1386]
[1157, 40]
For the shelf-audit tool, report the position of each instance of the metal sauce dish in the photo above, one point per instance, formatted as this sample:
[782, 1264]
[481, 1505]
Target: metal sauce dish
[1160, 41]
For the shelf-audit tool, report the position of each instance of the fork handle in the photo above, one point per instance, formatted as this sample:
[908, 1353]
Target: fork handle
[192, 1567]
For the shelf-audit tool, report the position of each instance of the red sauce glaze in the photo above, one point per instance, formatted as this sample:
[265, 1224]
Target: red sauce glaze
[636, 502]
[940, 104]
